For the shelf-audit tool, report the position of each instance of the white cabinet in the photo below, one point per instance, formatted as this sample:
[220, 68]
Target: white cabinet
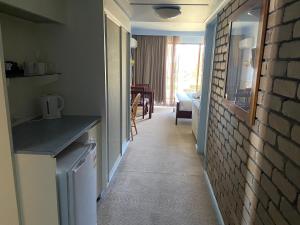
[37, 188]
[195, 117]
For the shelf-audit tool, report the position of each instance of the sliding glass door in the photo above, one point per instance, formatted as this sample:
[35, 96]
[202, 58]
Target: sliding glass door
[184, 68]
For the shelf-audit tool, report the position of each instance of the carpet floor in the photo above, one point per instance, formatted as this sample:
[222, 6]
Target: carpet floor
[160, 180]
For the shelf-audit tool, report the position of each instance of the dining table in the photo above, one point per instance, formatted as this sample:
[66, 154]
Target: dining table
[149, 93]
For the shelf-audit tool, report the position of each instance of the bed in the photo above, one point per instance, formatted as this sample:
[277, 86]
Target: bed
[184, 103]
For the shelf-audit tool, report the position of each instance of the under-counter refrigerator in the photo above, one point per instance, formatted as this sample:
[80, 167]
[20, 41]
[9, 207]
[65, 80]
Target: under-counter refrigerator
[77, 185]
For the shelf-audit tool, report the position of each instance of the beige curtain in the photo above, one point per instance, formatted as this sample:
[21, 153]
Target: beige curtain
[233, 68]
[172, 41]
[150, 64]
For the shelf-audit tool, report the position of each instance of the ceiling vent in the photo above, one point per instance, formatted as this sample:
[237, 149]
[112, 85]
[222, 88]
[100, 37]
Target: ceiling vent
[168, 12]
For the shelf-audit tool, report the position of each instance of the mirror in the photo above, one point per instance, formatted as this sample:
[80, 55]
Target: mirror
[247, 33]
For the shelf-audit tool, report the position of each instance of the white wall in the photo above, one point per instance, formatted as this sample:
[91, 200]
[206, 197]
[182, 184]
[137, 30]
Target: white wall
[8, 200]
[20, 44]
[52, 9]
[77, 50]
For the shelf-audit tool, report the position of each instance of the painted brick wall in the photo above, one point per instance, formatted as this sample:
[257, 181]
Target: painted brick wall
[255, 171]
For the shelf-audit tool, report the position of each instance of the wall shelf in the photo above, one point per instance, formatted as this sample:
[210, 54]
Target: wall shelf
[25, 14]
[38, 80]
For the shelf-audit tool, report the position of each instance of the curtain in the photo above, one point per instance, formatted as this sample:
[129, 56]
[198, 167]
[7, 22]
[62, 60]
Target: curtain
[150, 64]
[171, 70]
[233, 67]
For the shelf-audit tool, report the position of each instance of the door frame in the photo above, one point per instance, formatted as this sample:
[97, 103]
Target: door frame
[210, 35]
[9, 208]
[124, 143]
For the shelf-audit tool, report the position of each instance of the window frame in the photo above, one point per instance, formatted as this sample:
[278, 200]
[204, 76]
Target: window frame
[248, 116]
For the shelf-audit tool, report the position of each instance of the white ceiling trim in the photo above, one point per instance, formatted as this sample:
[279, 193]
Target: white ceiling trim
[177, 2]
[116, 14]
[169, 26]
[125, 7]
[216, 11]
[110, 16]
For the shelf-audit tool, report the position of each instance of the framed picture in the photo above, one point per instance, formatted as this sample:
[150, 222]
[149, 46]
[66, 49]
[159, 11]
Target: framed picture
[245, 53]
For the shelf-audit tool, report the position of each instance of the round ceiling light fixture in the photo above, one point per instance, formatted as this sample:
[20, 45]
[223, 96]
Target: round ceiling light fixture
[168, 12]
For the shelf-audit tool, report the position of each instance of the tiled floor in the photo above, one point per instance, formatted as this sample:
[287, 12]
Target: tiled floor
[160, 180]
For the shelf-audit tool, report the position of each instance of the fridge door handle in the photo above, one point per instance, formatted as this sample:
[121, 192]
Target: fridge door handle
[81, 162]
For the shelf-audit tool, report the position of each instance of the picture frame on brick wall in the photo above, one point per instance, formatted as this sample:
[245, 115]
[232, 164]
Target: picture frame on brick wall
[247, 31]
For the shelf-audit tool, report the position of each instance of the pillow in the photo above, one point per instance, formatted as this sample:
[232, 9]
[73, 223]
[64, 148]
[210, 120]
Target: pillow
[197, 94]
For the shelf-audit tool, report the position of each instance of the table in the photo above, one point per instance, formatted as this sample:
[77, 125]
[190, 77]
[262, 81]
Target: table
[148, 93]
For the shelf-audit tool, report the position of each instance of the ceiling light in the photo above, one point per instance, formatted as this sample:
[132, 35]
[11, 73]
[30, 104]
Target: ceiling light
[254, 12]
[168, 12]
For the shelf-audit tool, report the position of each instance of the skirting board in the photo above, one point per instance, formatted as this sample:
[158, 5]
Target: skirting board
[214, 200]
[125, 147]
[115, 167]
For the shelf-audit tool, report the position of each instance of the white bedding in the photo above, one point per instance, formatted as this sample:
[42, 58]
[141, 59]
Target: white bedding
[185, 101]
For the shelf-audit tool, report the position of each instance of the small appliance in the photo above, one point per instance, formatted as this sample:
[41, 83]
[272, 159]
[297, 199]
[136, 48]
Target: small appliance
[52, 105]
[41, 68]
[77, 181]
[29, 68]
[35, 68]
[12, 69]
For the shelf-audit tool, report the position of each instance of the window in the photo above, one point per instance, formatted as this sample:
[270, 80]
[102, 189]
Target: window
[184, 68]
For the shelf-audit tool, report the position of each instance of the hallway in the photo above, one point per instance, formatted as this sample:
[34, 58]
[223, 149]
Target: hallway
[160, 180]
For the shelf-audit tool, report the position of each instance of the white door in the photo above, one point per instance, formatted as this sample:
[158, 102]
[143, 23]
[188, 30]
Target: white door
[113, 56]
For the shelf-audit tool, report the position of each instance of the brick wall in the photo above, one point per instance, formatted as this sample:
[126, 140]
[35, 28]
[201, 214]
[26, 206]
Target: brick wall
[255, 171]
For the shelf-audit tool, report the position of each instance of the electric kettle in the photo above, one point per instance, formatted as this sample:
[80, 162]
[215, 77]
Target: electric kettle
[52, 105]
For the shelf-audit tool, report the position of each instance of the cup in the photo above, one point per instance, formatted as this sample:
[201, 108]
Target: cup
[29, 68]
[41, 68]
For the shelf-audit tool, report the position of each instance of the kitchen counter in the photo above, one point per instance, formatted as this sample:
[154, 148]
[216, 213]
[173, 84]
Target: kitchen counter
[50, 137]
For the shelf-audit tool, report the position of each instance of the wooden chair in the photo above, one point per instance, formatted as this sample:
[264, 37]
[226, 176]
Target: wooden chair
[134, 107]
[144, 102]
[242, 98]
[147, 86]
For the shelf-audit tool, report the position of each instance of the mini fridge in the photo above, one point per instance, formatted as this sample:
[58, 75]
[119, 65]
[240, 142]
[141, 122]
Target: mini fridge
[77, 185]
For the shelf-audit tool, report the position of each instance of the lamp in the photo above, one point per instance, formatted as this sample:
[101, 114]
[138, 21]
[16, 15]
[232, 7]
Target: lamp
[168, 12]
[133, 43]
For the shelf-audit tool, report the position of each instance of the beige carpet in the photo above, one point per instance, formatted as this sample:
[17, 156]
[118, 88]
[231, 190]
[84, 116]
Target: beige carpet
[160, 180]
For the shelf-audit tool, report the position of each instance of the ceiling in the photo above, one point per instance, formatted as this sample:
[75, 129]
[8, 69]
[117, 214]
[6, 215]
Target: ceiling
[194, 14]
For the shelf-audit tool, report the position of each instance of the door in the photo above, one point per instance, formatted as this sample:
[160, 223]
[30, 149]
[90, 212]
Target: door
[113, 70]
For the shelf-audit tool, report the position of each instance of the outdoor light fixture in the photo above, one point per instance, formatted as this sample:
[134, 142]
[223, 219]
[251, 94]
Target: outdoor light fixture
[167, 12]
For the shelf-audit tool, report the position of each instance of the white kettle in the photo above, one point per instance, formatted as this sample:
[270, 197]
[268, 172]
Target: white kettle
[52, 105]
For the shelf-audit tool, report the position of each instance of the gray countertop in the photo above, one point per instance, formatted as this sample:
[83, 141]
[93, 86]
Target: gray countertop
[50, 137]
